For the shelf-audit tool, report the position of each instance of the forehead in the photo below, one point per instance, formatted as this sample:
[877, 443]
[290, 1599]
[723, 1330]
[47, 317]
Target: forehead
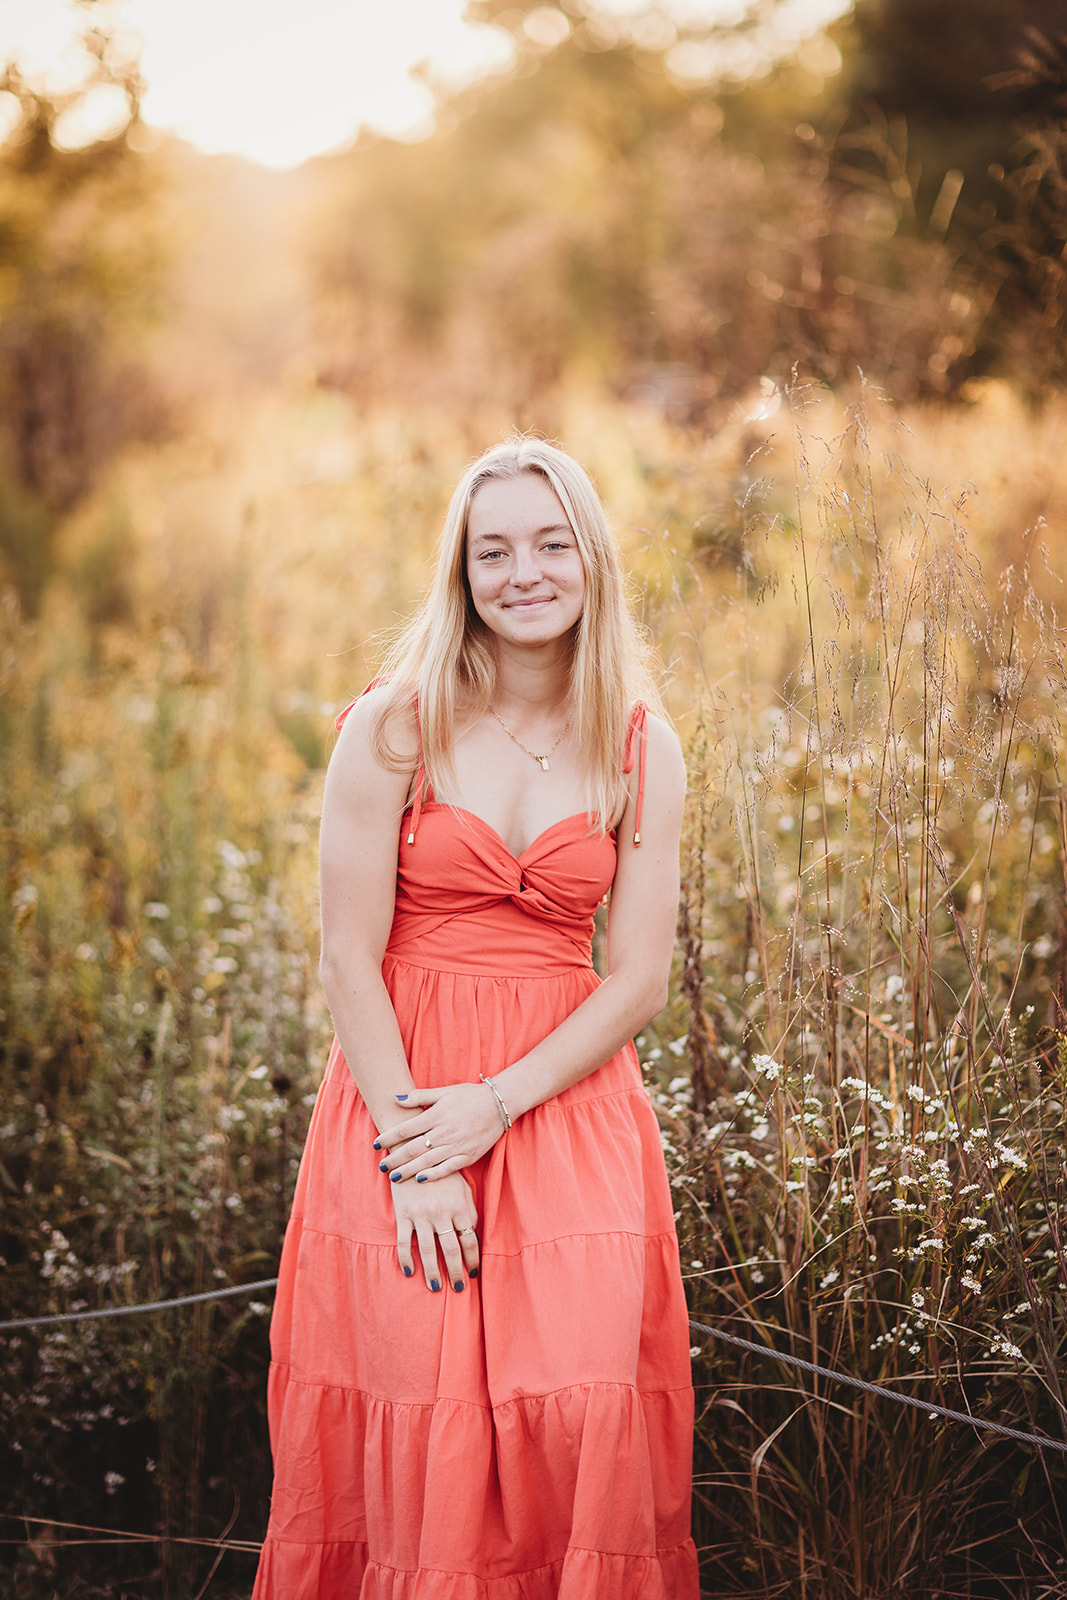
[523, 504]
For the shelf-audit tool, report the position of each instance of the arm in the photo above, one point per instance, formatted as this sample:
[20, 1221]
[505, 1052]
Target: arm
[361, 813]
[641, 924]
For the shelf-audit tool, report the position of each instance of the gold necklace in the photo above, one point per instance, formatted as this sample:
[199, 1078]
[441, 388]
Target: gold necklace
[542, 761]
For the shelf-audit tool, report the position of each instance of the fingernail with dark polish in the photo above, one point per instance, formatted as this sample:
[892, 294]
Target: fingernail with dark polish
[420, 1177]
[458, 1285]
[382, 1167]
[377, 1144]
[394, 1177]
[408, 1271]
[401, 1096]
[434, 1285]
[472, 1272]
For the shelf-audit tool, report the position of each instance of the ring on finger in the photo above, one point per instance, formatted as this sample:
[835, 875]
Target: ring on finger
[471, 1229]
[441, 1232]
[427, 1141]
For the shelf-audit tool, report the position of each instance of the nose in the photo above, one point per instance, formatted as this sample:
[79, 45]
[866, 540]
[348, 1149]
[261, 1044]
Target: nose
[526, 570]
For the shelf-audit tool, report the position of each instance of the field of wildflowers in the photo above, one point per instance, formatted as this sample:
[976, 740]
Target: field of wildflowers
[862, 1069]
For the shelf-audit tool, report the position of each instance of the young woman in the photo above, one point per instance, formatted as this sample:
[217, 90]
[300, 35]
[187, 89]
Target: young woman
[480, 1385]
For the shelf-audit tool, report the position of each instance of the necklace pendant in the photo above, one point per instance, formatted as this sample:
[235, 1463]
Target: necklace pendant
[543, 761]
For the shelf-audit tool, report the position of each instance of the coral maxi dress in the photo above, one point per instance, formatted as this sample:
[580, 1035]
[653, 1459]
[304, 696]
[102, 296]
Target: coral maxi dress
[530, 1438]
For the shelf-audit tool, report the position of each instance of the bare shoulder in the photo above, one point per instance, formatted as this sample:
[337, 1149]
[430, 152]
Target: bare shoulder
[357, 776]
[663, 753]
[359, 729]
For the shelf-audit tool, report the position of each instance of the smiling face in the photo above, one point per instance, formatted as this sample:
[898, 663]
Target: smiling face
[524, 568]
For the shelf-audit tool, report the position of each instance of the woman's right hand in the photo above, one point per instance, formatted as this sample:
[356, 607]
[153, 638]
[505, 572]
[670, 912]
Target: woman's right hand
[432, 1217]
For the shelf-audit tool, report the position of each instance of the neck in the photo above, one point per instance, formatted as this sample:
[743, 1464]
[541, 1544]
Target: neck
[529, 686]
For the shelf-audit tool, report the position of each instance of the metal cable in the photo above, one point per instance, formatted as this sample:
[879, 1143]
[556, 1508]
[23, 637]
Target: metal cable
[874, 1388]
[929, 1406]
[130, 1311]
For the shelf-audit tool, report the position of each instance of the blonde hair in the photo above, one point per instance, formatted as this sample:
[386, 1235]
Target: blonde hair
[444, 657]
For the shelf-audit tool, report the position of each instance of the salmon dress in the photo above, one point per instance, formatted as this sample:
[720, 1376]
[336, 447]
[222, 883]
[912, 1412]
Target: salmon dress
[529, 1438]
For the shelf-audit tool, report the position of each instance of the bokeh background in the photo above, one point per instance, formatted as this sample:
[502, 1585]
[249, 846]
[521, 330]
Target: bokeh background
[791, 278]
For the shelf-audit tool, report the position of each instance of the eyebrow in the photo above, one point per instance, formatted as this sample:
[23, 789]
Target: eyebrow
[550, 527]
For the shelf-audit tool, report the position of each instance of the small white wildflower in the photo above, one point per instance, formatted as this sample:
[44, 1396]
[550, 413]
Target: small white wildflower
[918, 1300]
[676, 1085]
[112, 1481]
[697, 1266]
[1004, 1347]
[677, 1046]
[915, 1093]
[829, 1278]
[969, 1281]
[767, 1067]
[156, 909]
[694, 1350]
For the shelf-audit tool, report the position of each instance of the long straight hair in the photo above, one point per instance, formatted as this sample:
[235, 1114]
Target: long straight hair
[444, 657]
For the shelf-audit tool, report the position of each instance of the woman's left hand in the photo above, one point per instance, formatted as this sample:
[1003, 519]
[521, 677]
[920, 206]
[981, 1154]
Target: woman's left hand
[456, 1125]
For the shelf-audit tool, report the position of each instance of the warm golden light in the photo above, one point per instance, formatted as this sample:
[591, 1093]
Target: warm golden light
[279, 82]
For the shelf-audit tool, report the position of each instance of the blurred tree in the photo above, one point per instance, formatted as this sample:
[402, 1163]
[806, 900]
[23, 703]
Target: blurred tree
[77, 275]
[979, 87]
[681, 210]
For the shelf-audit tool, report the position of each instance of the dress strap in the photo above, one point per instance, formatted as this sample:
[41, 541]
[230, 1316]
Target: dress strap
[636, 740]
[420, 769]
[339, 720]
[420, 776]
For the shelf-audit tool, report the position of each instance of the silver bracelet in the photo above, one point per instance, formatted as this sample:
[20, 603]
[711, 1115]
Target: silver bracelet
[505, 1114]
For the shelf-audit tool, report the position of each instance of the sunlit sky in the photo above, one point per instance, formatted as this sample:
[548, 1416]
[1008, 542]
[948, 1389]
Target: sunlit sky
[281, 80]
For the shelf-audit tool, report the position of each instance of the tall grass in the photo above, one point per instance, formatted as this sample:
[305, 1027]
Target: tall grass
[860, 1074]
[868, 1146]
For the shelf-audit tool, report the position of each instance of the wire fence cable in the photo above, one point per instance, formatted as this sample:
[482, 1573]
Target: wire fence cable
[768, 1351]
[131, 1311]
[928, 1406]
